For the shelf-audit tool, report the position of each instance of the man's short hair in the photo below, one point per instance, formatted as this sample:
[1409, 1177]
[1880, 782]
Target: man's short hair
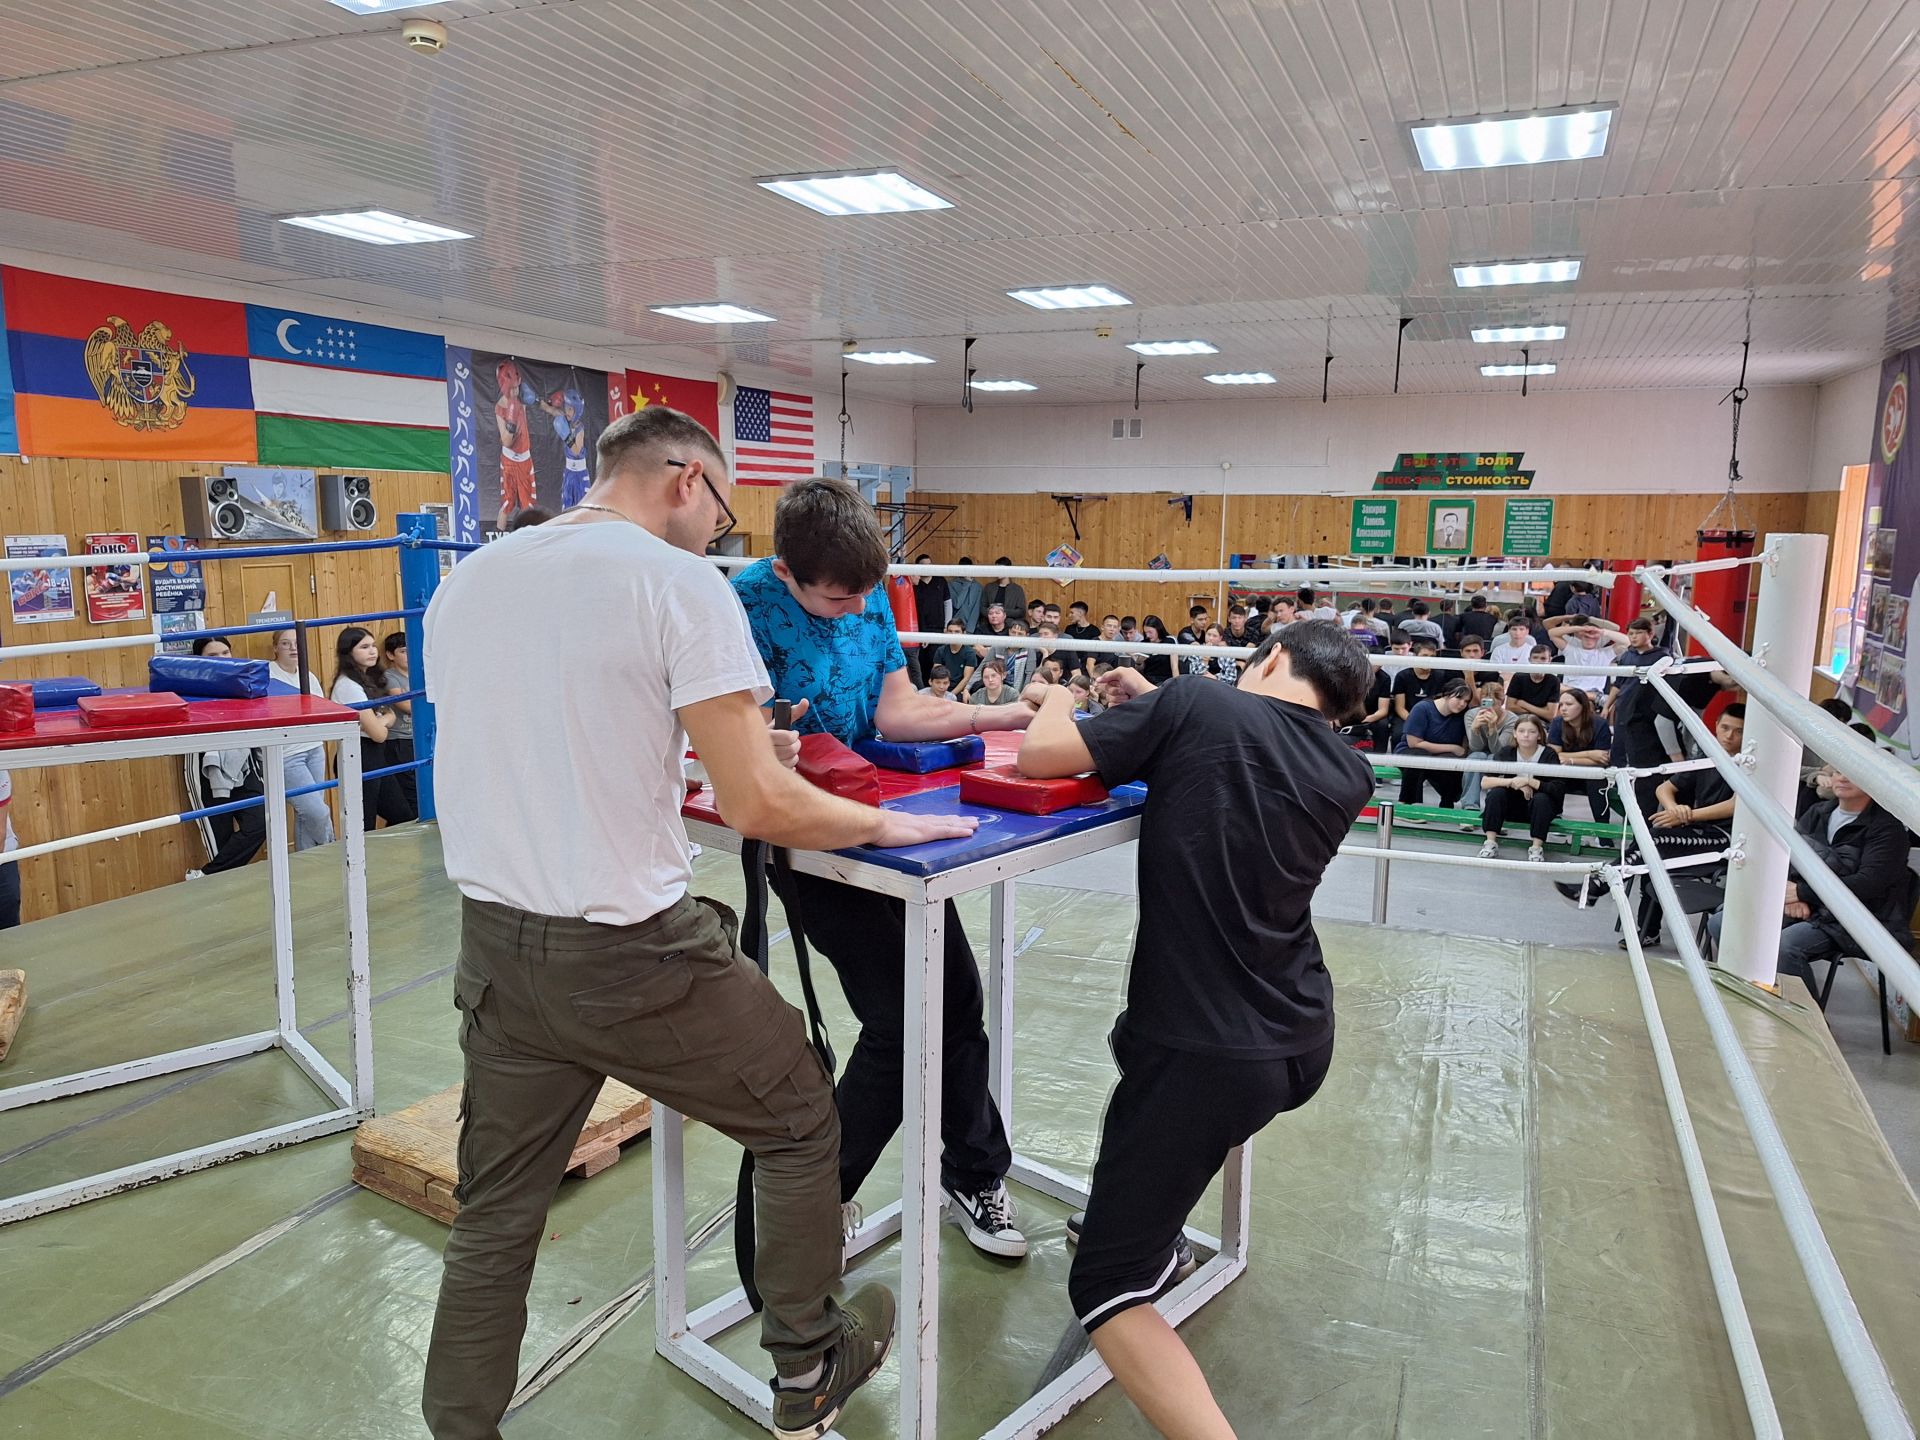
[1194, 612]
[655, 433]
[996, 605]
[1479, 602]
[1419, 607]
[1004, 560]
[1105, 618]
[1735, 711]
[826, 534]
[1045, 629]
[939, 672]
[923, 559]
[1540, 652]
[1425, 645]
[1233, 610]
[1325, 656]
[1079, 605]
[1476, 642]
[1129, 621]
[1518, 619]
[1641, 624]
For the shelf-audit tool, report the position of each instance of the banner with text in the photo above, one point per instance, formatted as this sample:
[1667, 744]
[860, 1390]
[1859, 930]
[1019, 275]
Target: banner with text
[1883, 662]
[1375, 523]
[1479, 471]
[1529, 529]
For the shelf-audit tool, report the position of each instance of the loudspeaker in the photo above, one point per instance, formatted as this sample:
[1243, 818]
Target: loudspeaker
[346, 503]
[210, 507]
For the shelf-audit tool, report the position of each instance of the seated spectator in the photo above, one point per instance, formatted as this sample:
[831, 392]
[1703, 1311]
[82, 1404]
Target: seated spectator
[1078, 627]
[1585, 600]
[993, 688]
[1197, 623]
[1586, 642]
[1158, 669]
[958, 660]
[1053, 617]
[1534, 692]
[1480, 621]
[230, 775]
[1449, 624]
[1366, 616]
[1487, 733]
[1473, 648]
[1282, 611]
[1036, 615]
[1811, 765]
[1110, 632]
[1866, 848]
[1052, 671]
[1508, 797]
[1019, 660]
[1695, 815]
[1417, 682]
[940, 684]
[1237, 632]
[1417, 626]
[1399, 655]
[1219, 667]
[1084, 702]
[1582, 737]
[1374, 727]
[1516, 648]
[1435, 727]
[1313, 608]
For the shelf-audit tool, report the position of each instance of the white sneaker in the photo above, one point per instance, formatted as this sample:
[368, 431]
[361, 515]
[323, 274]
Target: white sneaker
[196, 874]
[1490, 850]
[1536, 852]
[987, 1220]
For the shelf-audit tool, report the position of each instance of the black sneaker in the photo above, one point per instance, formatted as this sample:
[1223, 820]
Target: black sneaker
[1571, 889]
[1184, 1266]
[866, 1337]
[986, 1217]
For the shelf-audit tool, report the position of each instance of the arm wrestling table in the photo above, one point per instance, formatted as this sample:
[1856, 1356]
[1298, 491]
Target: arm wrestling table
[274, 724]
[925, 877]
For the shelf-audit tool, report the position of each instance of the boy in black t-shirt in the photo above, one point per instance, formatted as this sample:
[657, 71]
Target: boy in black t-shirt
[1229, 1018]
[1416, 683]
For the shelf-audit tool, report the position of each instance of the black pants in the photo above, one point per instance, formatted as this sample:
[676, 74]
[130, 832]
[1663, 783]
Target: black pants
[1499, 805]
[1447, 784]
[239, 835]
[9, 895]
[400, 752]
[1597, 802]
[383, 799]
[863, 935]
[1172, 1120]
[1680, 840]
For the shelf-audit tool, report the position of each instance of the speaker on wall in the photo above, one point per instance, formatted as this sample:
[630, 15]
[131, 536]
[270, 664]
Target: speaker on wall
[210, 507]
[346, 503]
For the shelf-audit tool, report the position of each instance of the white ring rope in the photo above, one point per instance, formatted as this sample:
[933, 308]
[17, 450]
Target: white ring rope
[1358, 577]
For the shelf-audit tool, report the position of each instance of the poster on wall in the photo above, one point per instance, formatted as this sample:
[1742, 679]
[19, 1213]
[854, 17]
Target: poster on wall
[178, 589]
[1449, 527]
[1375, 523]
[521, 434]
[115, 593]
[278, 504]
[443, 516]
[38, 596]
[1888, 569]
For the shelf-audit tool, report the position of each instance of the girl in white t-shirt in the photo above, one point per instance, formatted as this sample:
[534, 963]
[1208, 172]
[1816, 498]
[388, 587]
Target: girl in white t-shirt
[358, 677]
[312, 820]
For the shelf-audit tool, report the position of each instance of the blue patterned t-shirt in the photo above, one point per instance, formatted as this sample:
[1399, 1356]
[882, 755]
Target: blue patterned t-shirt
[837, 665]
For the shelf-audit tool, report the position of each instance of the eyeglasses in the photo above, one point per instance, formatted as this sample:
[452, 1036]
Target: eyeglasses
[732, 522]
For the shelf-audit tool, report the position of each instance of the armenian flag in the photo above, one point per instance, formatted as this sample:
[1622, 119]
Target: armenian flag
[108, 372]
[344, 395]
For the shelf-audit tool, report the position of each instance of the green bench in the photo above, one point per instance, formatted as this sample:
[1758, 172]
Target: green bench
[1570, 836]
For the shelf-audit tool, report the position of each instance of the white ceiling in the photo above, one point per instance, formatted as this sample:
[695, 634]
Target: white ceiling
[1240, 168]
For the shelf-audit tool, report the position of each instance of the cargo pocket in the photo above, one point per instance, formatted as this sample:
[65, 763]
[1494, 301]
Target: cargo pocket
[661, 983]
[470, 990]
[790, 1081]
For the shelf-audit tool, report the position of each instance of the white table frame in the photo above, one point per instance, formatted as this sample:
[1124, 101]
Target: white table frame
[684, 1338]
[351, 1100]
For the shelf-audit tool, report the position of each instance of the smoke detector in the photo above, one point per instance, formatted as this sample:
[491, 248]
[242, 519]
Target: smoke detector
[428, 37]
[1103, 332]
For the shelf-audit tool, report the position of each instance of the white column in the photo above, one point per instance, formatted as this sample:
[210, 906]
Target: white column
[1786, 629]
[920, 1197]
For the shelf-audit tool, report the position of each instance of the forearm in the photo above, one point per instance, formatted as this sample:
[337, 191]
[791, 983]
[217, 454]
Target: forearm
[782, 808]
[1053, 746]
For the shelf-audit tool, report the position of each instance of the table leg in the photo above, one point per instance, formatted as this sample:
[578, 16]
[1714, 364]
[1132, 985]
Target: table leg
[279, 885]
[353, 845]
[669, 1226]
[920, 1197]
[1000, 1001]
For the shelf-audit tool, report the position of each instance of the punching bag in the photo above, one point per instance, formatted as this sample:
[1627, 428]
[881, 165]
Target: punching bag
[906, 615]
[1623, 600]
[1721, 595]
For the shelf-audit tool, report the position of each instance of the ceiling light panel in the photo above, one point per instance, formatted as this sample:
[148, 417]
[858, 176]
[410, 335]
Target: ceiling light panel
[1001, 385]
[383, 7]
[1487, 142]
[717, 312]
[872, 192]
[1172, 347]
[1516, 272]
[376, 227]
[890, 357]
[1518, 334]
[1070, 297]
[1244, 377]
[1498, 371]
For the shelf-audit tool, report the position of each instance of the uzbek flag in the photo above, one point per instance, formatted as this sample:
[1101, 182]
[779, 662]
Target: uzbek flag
[108, 372]
[698, 398]
[344, 395]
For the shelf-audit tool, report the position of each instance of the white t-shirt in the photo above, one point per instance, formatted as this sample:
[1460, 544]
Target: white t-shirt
[8, 840]
[292, 681]
[1574, 653]
[1507, 653]
[556, 659]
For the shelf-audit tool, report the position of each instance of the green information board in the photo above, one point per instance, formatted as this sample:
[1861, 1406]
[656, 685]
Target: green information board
[1529, 528]
[1375, 522]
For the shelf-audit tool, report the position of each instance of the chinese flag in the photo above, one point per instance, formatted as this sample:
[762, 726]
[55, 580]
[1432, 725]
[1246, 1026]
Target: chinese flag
[698, 398]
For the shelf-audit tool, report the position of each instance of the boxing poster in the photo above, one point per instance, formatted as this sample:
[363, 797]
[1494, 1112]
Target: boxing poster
[1882, 663]
[178, 589]
[38, 596]
[522, 434]
[115, 593]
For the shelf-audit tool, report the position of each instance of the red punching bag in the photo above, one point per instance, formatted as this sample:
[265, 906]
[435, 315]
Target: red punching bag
[1721, 595]
[1623, 600]
[906, 615]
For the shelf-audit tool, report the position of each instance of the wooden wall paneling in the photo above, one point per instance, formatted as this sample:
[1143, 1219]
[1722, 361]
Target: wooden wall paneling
[77, 497]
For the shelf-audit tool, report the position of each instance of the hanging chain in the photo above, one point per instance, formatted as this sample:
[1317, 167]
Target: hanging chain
[1738, 395]
[846, 422]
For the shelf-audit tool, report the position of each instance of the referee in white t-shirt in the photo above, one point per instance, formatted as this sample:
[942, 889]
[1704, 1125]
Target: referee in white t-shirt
[582, 954]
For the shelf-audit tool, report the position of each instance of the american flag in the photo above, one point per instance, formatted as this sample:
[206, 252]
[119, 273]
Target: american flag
[772, 436]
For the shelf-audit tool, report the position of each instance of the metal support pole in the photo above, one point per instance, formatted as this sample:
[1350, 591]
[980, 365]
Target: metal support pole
[920, 1197]
[1785, 631]
[419, 578]
[1000, 1001]
[273, 767]
[1383, 867]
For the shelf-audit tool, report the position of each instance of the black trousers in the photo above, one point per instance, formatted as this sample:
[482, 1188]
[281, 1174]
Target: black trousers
[238, 836]
[400, 752]
[9, 895]
[863, 936]
[383, 799]
[1681, 840]
[1447, 784]
[1173, 1118]
[1499, 805]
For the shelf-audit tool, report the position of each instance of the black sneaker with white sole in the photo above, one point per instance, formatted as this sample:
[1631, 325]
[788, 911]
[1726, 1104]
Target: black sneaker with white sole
[986, 1217]
[866, 1337]
[1187, 1263]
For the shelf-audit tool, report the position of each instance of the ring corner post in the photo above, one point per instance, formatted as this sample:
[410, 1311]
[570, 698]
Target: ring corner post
[419, 578]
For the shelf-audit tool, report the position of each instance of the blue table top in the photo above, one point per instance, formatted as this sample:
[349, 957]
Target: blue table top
[1001, 831]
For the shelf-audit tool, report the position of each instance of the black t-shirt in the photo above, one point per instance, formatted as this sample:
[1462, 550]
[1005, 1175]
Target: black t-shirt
[1535, 690]
[1701, 788]
[1083, 632]
[1420, 687]
[1481, 623]
[1378, 689]
[1248, 798]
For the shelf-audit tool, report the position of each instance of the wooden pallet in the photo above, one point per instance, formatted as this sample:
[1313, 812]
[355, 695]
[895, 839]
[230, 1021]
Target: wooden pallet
[13, 1006]
[412, 1155]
